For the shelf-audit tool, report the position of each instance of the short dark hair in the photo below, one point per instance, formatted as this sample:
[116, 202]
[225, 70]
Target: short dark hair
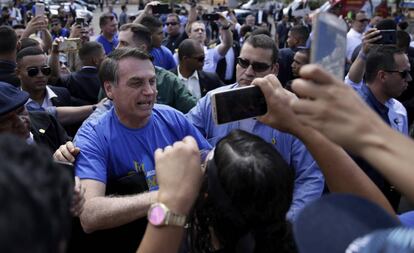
[305, 51]
[300, 32]
[35, 194]
[174, 15]
[150, 22]
[109, 67]
[380, 58]
[123, 7]
[260, 30]
[105, 18]
[187, 48]
[28, 42]
[403, 40]
[354, 14]
[29, 51]
[141, 34]
[90, 49]
[256, 193]
[265, 42]
[8, 41]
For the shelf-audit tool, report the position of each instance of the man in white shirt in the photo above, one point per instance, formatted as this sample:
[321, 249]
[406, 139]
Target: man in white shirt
[354, 36]
[189, 71]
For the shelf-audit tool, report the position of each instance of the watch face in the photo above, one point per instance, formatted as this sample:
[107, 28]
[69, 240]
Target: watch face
[157, 215]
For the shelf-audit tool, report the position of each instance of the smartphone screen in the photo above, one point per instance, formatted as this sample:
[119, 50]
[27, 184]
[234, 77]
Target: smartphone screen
[388, 37]
[40, 9]
[329, 43]
[161, 9]
[210, 17]
[237, 104]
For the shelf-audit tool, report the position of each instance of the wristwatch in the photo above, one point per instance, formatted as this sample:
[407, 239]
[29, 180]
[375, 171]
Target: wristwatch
[160, 215]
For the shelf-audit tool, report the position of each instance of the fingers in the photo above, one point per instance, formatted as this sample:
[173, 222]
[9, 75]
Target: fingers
[66, 153]
[307, 89]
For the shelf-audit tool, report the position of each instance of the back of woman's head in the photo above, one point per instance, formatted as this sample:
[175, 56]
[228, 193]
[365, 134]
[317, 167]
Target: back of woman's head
[246, 194]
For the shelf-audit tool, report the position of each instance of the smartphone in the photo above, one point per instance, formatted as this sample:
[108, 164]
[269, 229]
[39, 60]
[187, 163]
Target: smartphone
[69, 167]
[80, 21]
[69, 44]
[389, 37]
[161, 9]
[210, 16]
[330, 53]
[40, 9]
[237, 104]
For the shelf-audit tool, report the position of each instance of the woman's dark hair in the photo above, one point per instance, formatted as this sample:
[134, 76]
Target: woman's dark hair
[259, 184]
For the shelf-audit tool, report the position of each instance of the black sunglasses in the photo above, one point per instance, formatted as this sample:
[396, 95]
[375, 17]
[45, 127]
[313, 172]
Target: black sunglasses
[34, 71]
[404, 74]
[257, 66]
[171, 23]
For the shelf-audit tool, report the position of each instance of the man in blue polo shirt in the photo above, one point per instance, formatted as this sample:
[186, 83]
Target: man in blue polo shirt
[109, 29]
[118, 147]
[258, 58]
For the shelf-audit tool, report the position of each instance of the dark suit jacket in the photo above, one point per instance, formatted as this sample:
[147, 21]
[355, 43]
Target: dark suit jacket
[63, 96]
[83, 85]
[208, 81]
[8, 73]
[47, 131]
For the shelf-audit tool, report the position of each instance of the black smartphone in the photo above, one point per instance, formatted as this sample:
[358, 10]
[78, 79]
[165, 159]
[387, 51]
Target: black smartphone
[237, 104]
[210, 17]
[161, 9]
[80, 21]
[389, 37]
[69, 167]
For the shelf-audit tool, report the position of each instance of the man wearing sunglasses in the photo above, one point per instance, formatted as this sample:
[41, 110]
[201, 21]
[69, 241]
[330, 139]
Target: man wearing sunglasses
[175, 36]
[387, 73]
[33, 72]
[355, 34]
[258, 58]
[190, 70]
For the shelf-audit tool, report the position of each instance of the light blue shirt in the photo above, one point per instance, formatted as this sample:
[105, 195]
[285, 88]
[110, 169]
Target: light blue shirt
[309, 181]
[110, 150]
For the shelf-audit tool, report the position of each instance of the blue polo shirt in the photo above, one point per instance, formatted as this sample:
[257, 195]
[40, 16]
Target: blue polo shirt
[163, 58]
[108, 46]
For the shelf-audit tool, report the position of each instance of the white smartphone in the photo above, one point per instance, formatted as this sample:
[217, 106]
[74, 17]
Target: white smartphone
[40, 9]
[237, 104]
[329, 43]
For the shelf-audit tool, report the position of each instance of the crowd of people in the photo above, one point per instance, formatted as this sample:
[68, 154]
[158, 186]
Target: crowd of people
[111, 145]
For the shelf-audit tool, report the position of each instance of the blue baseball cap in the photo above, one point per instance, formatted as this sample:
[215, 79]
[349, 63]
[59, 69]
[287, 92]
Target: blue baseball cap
[332, 223]
[11, 98]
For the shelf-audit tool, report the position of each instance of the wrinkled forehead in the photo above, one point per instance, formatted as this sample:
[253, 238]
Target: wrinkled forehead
[197, 25]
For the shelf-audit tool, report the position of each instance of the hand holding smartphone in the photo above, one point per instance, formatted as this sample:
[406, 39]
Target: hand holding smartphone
[237, 104]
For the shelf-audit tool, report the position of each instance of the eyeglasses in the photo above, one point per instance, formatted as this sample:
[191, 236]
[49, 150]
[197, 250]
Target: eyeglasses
[256, 66]
[404, 74]
[34, 71]
[171, 23]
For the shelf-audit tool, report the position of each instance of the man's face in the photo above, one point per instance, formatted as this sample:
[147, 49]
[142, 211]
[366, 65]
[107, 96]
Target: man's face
[395, 84]
[110, 28]
[157, 37]
[196, 61]
[135, 93]
[56, 26]
[245, 75]
[125, 39]
[360, 22]
[250, 20]
[299, 60]
[173, 26]
[30, 64]
[198, 32]
[291, 40]
[16, 122]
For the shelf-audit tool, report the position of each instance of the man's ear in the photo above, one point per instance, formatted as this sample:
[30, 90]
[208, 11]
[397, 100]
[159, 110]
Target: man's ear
[275, 68]
[18, 45]
[108, 89]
